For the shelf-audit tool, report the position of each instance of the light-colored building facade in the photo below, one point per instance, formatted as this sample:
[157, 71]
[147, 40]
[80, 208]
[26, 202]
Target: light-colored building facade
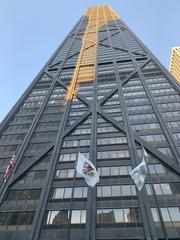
[174, 67]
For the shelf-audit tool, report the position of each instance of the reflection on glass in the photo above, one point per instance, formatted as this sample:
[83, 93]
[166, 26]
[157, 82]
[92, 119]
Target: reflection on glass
[116, 191]
[106, 191]
[78, 192]
[118, 214]
[58, 193]
[57, 217]
[76, 217]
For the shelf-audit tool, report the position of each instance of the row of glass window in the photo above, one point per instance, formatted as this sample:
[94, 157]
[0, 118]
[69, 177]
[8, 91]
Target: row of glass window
[106, 172]
[173, 114]
[16, 220]
[147, 126]
[127, 217]
[19, 127]
[172, 106]
[20, 119]
[66, 157]
[48, 125]
[142, 116]
[116, 191]
[68, 193]
[170, 215]
[12, 138]
[27, 111]
[32, 104]
[44, 135]
[154, 138]
[177, 135]
[32, 177]
[174, 124]
[113, 154]
[55, 102]
[38, 92]
[132, 94]
[75, 143]
[8, 149]
[33, 195]
[23, 195]
[36, 147]
[139, 108]
[114, 140]
[167, 98]
[60, 219]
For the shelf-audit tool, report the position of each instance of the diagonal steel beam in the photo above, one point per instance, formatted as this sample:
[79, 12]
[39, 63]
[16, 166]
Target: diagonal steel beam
[79, 52]
[134, 72]
[54, 64]
[168, 162]
[122, 49]
[79, 96]
[27, 166]
[108, 37]
[76, 123]
[107, 96]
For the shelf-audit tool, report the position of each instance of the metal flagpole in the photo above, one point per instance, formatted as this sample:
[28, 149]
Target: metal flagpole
[72, 193]
[155, 197]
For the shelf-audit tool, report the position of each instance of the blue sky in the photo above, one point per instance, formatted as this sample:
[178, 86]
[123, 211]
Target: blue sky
[32, 30]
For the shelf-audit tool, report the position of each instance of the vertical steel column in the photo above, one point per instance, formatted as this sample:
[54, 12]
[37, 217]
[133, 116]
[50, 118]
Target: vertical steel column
[150, 232]
[91, 201]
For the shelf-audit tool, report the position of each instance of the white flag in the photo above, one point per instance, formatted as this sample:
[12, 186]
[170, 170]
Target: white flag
[139, 173]
[87, 170]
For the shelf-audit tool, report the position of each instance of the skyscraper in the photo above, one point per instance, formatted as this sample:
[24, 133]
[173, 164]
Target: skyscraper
[174, 67]
[104, 94]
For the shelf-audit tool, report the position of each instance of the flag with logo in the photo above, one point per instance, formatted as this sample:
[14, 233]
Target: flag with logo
[138, 174]
[87, 170]
[8, 170]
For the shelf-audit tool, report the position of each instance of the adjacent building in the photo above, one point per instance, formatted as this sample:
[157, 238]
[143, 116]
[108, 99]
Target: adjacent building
[174, 67]
[102, 93]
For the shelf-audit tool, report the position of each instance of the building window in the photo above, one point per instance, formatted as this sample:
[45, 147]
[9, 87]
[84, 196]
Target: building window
[66, 193]
[78, 218]
[116, 171]
[171, 216]
[29, 196]
[60, 219]
[160, 189]
[57, 219]
[113, 154]
[128, 217]
[16, 220]
[116, 191]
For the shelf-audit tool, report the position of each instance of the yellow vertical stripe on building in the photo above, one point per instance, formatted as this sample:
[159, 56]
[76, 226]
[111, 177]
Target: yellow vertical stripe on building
[174, 67]
[85, 67]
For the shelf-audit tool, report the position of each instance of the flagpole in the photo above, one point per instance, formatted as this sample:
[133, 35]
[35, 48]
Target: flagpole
[72, 193]
[155, 197]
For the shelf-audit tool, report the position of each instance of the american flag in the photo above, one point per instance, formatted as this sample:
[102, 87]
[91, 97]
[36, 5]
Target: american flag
[8, 170]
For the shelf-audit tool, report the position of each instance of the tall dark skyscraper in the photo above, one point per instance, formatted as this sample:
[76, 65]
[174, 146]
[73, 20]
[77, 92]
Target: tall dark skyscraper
[104, 91]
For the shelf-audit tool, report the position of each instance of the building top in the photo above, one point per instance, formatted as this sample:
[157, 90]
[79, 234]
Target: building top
[100, 9]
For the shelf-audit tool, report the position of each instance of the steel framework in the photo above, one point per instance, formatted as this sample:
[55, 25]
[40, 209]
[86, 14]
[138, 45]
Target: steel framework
[101, 83]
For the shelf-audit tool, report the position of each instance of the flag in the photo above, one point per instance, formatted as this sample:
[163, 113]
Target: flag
[87, 170]
[138, 174]
[8, 170]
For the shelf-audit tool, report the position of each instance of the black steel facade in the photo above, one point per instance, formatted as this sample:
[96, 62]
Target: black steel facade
[105, 91]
